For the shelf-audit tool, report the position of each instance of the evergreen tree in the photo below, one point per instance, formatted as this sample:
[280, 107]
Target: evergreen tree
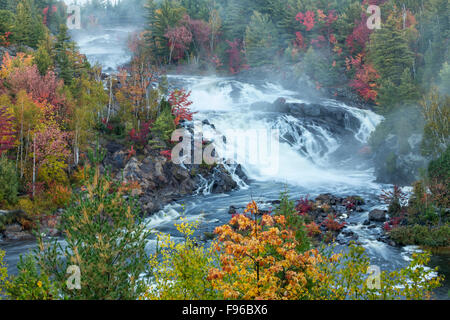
[7, 21]
[162, 17]
[391, 56]
[28, 28]
[196, 9]
[42, 58]
[391, 95]
[261, 40]
[62, 60]
[235, 19]
[389, 51]
[9, 5]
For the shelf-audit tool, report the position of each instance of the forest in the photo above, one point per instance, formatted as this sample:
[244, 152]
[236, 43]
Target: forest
[86, 162]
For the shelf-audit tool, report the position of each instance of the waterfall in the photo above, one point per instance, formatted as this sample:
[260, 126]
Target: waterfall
[305, 147]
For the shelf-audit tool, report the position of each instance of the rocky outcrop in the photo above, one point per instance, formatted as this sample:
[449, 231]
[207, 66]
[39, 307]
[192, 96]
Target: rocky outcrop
[159, 181]
[12, 50]
[15, 232]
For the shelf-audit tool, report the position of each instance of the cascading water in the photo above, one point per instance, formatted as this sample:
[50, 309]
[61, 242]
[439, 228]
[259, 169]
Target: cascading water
[305, 148]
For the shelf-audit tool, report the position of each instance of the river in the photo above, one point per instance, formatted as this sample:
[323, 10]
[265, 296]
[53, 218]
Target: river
[312, 157]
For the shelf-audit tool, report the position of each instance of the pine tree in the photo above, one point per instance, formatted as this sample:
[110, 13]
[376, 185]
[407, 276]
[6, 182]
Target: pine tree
[161, 18]
[261, 40]
[9, 5]
[28, 28]
[23, 28]
[7, 21]
[42, 59]
[389, 51]
[392, 96]
[62, 60]
[391, 56]
[237, 14]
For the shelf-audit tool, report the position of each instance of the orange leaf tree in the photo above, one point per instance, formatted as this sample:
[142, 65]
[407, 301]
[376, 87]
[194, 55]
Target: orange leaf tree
[259, 259]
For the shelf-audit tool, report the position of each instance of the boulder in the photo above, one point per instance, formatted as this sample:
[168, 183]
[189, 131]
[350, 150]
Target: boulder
[14, 232]
[326, 198]
[377, 215]
[280, 105]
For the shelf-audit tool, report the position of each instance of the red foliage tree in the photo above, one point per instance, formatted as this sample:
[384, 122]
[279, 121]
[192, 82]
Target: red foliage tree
[359, 36]
[303, 206]
[179, 100]
[331, 18]
[166, 153]
[200, 31]
[42, 88]
[4, 39]
[365, 82]
[179, 39]
[7, 132]
[307, 19]
[332, 224]
[235, 61]
[45, 13]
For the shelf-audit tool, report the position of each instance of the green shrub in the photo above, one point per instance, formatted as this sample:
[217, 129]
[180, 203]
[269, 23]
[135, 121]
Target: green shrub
[9, 182]
[181, 270]
[3, 274]
[436, 236]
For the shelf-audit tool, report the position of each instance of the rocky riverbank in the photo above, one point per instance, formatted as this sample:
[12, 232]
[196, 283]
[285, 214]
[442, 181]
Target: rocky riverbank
[158, 181]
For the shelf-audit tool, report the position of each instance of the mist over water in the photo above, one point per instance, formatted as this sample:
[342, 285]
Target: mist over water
[106, 46]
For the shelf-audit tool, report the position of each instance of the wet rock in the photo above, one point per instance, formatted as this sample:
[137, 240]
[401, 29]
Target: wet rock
[15, 227]
[356, 200]
[372, 226]
[366, 222]
[11, 215]
[232, 210]
[280, 105]
[18, 236]
[347, 233]
[337, 119]
[377, 215]
[326, 198]
[15, 232]
[160, 181]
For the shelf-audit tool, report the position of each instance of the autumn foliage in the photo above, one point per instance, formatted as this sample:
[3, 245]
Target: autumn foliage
[7, 130]
[260, 259]
[179, 100]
